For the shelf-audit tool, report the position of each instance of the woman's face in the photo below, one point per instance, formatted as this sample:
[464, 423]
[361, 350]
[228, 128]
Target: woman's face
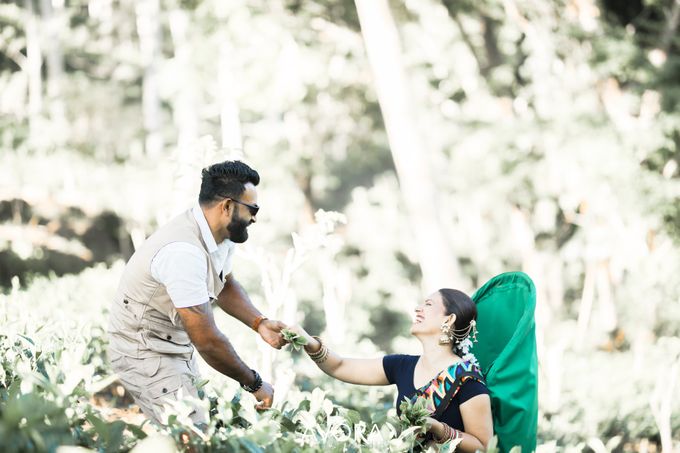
[430, 315]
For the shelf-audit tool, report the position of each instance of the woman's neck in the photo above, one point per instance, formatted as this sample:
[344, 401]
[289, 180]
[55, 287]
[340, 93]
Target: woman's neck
[436, 355]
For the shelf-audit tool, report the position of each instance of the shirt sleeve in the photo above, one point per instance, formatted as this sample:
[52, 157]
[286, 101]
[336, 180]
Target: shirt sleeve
[391, 366]
[182, 268]
[471, 389]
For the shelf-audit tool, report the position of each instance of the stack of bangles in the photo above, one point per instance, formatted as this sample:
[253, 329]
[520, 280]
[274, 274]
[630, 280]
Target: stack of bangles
[321, 355]
[449, 434]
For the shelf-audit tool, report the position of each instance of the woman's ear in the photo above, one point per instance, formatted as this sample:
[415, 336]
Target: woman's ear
[451, 319]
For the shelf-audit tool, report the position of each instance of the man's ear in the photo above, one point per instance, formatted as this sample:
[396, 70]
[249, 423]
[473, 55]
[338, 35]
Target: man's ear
[227, 205]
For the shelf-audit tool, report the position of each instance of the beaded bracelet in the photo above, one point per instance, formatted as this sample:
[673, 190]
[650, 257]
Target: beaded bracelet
[323, 358]
[256, 385]
[319, 351]
[449, 434]
[321, 355]
[258, 321]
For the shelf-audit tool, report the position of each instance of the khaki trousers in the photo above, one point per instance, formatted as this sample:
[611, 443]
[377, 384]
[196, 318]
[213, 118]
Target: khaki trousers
[155, 382]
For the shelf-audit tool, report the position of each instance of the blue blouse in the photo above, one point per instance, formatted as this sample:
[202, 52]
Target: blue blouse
[399, 370]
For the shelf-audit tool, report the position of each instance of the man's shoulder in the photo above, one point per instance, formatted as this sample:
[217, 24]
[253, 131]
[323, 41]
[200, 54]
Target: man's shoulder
[181, 228]
[181, 248]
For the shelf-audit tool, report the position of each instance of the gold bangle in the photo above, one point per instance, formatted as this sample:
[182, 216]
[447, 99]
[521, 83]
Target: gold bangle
[321, 358]
[446, 436]
[318, 352]
[321, 355]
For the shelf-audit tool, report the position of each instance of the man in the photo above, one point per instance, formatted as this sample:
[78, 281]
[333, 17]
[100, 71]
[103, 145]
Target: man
[162, 310]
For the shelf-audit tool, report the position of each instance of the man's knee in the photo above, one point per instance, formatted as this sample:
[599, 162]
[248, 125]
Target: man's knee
[173, 384]
[157, 382]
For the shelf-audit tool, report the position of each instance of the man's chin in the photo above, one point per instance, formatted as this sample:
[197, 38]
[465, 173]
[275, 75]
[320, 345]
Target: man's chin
[240, 239]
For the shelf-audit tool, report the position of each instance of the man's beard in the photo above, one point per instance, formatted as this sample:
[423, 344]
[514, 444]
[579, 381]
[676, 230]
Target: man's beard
[238, 229]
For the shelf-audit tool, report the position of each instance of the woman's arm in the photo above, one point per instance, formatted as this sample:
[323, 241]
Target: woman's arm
[354, 371]
[476, 414]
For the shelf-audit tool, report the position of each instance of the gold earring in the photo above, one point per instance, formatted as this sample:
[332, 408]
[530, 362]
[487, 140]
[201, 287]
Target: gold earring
[445, 338]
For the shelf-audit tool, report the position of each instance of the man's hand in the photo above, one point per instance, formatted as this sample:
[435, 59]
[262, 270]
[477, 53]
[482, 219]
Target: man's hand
[264, 396]
[270, 331]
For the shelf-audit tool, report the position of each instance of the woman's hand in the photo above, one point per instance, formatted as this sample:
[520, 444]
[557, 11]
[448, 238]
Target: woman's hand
[312, 344]
[435, 427]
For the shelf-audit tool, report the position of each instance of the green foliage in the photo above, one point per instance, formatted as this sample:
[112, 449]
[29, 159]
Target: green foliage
[414, 414]
[296, 341]
[30, 421]
[552, 129]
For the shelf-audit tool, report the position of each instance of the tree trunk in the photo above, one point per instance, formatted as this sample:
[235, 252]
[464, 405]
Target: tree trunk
[148, 29]
[34, 68]
[439, 265]
[53, 20]
[232, 141]
[185, 104]
[671, 27]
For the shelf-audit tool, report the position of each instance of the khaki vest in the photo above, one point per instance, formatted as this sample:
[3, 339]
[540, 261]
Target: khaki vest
[143, 321]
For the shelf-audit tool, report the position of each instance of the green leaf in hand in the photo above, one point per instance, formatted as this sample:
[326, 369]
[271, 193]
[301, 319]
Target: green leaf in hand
[295, 340]
[414, 414]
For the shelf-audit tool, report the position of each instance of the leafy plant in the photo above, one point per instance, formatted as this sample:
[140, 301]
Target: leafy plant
[414, 414]
[296, 341]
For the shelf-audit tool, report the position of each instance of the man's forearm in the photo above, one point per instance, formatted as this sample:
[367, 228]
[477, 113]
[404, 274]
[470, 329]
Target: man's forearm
[220, 354]
[213, 346]
[234, 301]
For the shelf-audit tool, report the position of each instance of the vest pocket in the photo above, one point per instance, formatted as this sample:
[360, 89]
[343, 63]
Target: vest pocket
[161, 335]
[151, 366]
[166, 343]
[166, 386]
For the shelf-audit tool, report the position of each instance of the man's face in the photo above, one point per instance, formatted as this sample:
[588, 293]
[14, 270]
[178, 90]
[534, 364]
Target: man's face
[242, 217]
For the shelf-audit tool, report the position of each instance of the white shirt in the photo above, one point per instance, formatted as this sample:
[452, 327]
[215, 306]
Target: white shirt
[181, 266]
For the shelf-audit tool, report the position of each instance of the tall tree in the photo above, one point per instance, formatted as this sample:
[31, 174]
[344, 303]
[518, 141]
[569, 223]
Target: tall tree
[33, 67]
[148, 28]
[409, 150]
[229, 111]
[52, 12]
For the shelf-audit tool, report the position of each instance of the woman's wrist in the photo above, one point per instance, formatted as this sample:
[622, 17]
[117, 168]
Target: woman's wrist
[437, 429]
[313, 345]
[321, 354]
[445, 433]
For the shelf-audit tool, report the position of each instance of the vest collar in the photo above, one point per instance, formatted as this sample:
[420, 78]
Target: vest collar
[203, 226]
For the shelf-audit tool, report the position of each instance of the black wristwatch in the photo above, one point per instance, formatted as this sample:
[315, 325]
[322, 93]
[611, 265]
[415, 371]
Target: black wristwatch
[256, 385]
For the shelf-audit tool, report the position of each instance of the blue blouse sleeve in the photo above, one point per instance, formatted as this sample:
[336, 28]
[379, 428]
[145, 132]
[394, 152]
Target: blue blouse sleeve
[391, 366]
[471, 389]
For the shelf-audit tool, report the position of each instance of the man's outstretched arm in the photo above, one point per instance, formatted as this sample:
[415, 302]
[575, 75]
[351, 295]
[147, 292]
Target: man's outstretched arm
[234, 300]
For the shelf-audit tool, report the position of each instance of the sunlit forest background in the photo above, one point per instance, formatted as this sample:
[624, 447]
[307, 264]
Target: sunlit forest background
[403, 146]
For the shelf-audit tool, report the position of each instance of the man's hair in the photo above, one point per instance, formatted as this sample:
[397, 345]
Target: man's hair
[225, 180]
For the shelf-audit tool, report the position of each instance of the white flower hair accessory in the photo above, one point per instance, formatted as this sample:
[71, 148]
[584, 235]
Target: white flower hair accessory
[464, 342]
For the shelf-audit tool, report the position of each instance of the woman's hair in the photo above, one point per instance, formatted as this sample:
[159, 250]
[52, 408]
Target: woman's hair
[226, 180]
[460, 304]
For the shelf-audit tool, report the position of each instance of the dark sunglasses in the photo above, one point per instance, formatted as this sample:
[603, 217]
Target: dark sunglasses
[252, 208]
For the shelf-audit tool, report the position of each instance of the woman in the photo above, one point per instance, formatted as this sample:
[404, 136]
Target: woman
[452, 386]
